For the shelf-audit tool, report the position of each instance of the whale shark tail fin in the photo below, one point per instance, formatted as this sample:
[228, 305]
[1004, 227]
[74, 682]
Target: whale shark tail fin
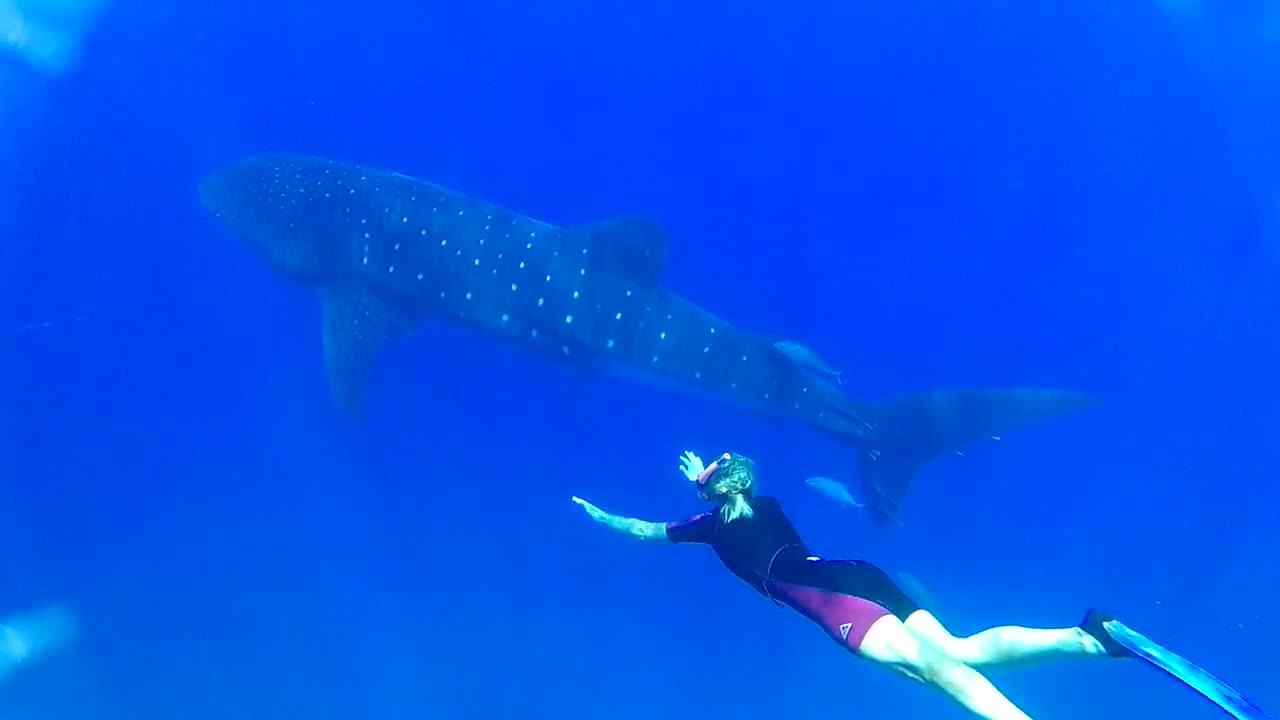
[911, 430]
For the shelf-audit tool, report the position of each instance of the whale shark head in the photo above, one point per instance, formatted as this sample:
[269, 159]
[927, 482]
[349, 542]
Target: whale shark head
[269, 202]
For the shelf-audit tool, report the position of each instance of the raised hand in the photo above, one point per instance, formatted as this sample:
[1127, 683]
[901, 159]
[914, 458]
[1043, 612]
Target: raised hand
[691, 465]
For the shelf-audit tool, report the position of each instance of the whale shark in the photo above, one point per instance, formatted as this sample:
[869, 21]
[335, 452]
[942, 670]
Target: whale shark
[387, 253]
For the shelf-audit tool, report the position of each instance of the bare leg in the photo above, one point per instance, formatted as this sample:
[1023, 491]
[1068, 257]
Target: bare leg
[1005, 645]
[890, 643]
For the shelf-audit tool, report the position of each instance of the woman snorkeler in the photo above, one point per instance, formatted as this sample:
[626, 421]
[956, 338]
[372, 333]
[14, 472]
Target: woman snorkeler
[861, 608]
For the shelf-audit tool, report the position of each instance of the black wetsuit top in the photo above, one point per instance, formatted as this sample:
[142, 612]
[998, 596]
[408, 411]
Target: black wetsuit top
[765, 546]
[767, 552]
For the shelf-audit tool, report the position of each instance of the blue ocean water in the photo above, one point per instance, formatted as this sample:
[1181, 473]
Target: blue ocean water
[932, 194]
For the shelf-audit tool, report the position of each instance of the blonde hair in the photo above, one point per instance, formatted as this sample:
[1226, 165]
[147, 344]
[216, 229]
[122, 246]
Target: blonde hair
[735, 481]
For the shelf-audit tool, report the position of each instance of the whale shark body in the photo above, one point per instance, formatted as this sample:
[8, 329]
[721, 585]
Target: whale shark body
[387, 252]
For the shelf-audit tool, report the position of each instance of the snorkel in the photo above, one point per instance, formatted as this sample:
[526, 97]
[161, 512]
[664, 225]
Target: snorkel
[708, 473]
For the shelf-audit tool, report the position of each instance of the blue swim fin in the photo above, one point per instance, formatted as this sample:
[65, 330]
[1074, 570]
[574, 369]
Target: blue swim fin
[1190, 674]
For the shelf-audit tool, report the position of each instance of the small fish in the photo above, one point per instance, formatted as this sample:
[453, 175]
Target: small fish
[809, 360]
[48, 325]
[834, 490]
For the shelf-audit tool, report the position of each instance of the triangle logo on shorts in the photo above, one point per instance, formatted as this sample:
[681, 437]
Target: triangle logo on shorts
[844, 630]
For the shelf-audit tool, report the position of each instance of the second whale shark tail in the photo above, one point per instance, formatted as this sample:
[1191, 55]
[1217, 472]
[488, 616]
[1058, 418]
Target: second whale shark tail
[910, 430]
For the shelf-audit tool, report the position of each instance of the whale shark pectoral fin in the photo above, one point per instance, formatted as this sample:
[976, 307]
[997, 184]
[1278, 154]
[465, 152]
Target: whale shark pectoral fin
[632, 248]
[356, 324]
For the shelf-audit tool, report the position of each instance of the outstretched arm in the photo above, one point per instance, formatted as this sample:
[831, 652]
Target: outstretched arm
[642, 529]
[697, 529]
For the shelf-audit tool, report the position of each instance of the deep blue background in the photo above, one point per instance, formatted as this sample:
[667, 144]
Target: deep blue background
[930, 193]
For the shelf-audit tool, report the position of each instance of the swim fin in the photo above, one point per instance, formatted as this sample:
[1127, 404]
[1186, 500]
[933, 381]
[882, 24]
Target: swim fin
[1181, 669]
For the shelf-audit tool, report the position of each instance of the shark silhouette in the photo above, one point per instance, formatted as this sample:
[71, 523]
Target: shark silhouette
[386, 252]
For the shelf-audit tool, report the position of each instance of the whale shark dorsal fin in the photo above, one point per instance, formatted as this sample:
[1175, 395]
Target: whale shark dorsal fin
[356, 325]
[633, 248]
